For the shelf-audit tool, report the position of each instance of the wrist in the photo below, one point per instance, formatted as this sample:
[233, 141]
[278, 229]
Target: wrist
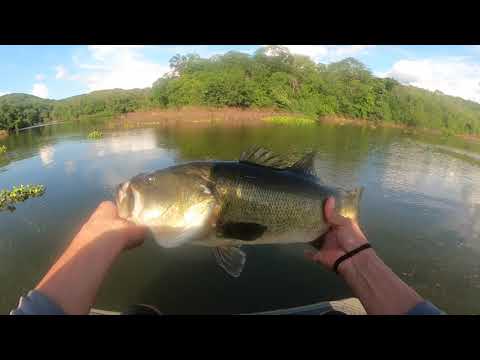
[353, 265]
[105, 243]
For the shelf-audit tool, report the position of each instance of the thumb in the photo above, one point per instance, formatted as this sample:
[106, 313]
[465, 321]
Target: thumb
[135, 232]
[331, 216]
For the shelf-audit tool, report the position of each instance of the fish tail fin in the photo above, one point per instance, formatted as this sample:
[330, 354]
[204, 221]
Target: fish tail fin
[356, 196]
[351, 203]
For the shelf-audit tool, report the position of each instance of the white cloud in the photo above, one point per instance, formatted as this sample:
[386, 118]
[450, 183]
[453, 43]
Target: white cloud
[40, 90]
[456, 76]
[118, 66]
[39, 77]
[3, 93]
[103, 52]
[329, 53]
[61, 72]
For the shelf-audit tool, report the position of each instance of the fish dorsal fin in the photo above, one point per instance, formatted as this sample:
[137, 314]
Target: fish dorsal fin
[305, 164]
[231, 259]
[261, 156]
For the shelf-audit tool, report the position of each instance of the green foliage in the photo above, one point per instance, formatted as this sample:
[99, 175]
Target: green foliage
[22, 110]
[95, 134]
[273, 77]
[290, 120]
[19, 194]
[104, 102]
[3, 149]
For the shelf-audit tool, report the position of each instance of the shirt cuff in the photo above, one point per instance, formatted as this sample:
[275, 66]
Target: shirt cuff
[35, 303]
[425, 308]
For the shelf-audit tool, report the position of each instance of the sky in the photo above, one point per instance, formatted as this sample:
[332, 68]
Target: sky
[59, 71]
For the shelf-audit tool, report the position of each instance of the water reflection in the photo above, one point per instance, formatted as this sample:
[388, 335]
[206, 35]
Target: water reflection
[122, 155]
[47, 155]
[126, 143]
[70, 167]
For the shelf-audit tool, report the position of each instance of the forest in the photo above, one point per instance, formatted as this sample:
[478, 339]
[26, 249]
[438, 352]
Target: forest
[271, 78]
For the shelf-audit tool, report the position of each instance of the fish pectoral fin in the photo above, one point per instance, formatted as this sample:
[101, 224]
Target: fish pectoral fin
[231, 259]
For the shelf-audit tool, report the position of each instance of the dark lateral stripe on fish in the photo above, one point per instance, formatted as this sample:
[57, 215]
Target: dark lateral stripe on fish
[242, 230]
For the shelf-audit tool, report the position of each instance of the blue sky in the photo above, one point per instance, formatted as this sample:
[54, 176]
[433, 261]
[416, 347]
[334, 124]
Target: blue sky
[58, 71]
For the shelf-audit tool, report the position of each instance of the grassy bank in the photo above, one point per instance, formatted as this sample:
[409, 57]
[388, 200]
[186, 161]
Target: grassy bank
[290, 120]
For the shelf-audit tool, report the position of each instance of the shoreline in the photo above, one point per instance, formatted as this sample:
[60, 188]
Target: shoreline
[253, 117]
[193, 116]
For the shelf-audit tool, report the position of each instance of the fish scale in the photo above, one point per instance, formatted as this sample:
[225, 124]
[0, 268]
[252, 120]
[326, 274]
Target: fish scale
[279, 211]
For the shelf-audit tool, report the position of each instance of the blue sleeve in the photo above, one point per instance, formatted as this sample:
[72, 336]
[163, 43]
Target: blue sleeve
[425, 308]
[35, 303]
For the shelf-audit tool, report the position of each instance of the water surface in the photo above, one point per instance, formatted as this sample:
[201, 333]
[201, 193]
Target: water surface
[420, 210]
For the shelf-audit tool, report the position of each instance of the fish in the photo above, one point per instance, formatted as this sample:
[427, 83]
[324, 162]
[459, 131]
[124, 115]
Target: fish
[225, 205]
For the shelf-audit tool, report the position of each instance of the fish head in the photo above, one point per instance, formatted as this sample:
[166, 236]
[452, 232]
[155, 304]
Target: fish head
[175, 203]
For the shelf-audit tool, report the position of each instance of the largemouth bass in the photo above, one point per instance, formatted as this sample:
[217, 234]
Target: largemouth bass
[226, 205]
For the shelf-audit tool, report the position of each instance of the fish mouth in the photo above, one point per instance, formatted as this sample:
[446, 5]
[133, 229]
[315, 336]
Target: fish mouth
[123, 199]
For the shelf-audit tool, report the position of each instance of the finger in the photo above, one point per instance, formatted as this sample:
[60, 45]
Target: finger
[313, 256]
[136, 232]
[331, 215]
[107, 209]
[310, 255]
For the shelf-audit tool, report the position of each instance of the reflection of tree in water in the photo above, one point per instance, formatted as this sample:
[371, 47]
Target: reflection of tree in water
[340, 151]
[25, 144]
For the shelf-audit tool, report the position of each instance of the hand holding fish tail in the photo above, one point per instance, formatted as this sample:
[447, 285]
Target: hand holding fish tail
[343, 236]
[376, 286]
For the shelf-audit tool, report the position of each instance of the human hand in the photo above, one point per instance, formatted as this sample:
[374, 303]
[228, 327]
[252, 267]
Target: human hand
[105, 224]
[343, 236]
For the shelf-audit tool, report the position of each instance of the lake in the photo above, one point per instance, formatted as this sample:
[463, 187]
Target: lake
[420, 210]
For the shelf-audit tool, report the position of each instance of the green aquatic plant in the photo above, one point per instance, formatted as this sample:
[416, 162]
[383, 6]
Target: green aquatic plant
[19, 194]
[3, 149]
[95, 134]
[289, 120]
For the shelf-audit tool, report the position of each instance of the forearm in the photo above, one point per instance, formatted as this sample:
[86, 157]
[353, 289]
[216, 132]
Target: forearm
[74, 280]
[377, 287]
